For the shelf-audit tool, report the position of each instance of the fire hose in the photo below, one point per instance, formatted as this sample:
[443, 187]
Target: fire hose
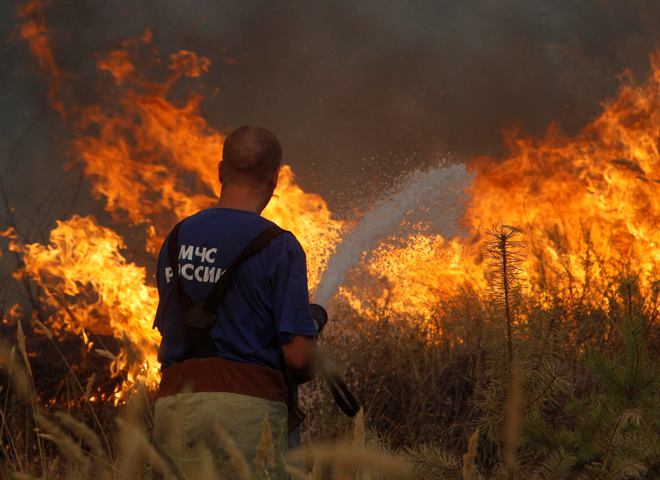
[341, 394]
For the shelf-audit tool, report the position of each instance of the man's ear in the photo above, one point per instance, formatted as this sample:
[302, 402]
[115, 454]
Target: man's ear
[220, 172]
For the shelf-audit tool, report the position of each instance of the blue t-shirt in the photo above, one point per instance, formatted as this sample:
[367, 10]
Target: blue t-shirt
[266, 303]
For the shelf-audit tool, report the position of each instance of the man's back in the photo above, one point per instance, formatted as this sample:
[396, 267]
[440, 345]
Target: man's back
[263, 322]
[265, 304]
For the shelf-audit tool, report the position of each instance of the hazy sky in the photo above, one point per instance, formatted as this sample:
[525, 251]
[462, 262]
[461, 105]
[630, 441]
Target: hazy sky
[358, 92]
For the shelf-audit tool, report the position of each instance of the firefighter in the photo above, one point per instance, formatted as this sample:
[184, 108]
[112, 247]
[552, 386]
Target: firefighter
[227, 367]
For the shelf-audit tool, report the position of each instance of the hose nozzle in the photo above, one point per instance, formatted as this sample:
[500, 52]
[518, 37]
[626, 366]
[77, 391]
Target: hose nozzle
[320, 317]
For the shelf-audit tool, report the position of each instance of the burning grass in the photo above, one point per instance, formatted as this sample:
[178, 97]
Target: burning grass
[467, 367]
[579, 399]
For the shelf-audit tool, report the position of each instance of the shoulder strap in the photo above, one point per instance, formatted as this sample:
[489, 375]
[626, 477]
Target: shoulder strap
[215, 296]
[255, 246]
[173, 250]
[173, 257]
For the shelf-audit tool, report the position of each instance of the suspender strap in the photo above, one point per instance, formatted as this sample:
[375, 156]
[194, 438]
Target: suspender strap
[210, 305]
[173, 257]
[255, 246]
[173, 250]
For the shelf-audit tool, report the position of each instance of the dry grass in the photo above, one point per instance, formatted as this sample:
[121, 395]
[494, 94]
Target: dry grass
[579, 399]
[469, 469]
[79, 452]
[512, 421]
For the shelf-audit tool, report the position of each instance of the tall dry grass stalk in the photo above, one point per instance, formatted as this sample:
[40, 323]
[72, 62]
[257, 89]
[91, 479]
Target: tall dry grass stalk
[513, 421]
[129, 455]
[316, 470]
[88, 388]
[134, 446]
[18, 379]
[137, 451]
[469, 468]
[20, 336]
[359, 430]
[344, 457]
[100, 457]
[236, 458]
[265, 454]
[297, 473]
[46, 331]
[79, 462]
[206, 467]
[22, 476]
[16, 372]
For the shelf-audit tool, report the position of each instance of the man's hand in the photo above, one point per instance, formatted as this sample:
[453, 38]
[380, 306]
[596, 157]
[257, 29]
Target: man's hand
[298, 354]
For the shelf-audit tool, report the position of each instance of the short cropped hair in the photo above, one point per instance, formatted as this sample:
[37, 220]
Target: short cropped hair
[250, 155]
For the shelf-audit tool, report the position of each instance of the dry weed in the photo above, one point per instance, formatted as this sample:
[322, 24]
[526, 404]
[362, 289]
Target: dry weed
[469, 469]
[236, 458]
[265, 455]
[512, 421]
[343, 457]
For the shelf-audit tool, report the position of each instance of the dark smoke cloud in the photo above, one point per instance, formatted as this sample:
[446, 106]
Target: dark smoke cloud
[359, 92]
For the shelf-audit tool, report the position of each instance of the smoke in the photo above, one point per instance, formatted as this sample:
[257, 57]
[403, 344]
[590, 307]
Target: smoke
[352, 88]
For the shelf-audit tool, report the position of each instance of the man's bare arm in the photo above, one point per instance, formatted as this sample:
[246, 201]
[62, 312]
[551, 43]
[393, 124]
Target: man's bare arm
[298, 355]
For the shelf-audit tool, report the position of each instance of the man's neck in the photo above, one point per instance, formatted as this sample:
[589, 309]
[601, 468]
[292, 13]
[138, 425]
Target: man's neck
[241, 198]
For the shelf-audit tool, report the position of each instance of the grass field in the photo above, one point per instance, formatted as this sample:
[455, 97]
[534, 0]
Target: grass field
[560, 389]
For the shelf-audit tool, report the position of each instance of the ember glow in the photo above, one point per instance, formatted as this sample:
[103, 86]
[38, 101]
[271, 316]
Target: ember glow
[589, 206]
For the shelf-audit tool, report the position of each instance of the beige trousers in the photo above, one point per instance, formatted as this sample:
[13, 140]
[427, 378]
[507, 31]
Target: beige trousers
[186, 428]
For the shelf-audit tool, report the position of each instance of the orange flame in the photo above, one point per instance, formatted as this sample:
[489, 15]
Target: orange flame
[416, 274]
[82, 267]
[34, 31]
[151, 158]
[589, 206]
[590, 202]
[151, 161]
